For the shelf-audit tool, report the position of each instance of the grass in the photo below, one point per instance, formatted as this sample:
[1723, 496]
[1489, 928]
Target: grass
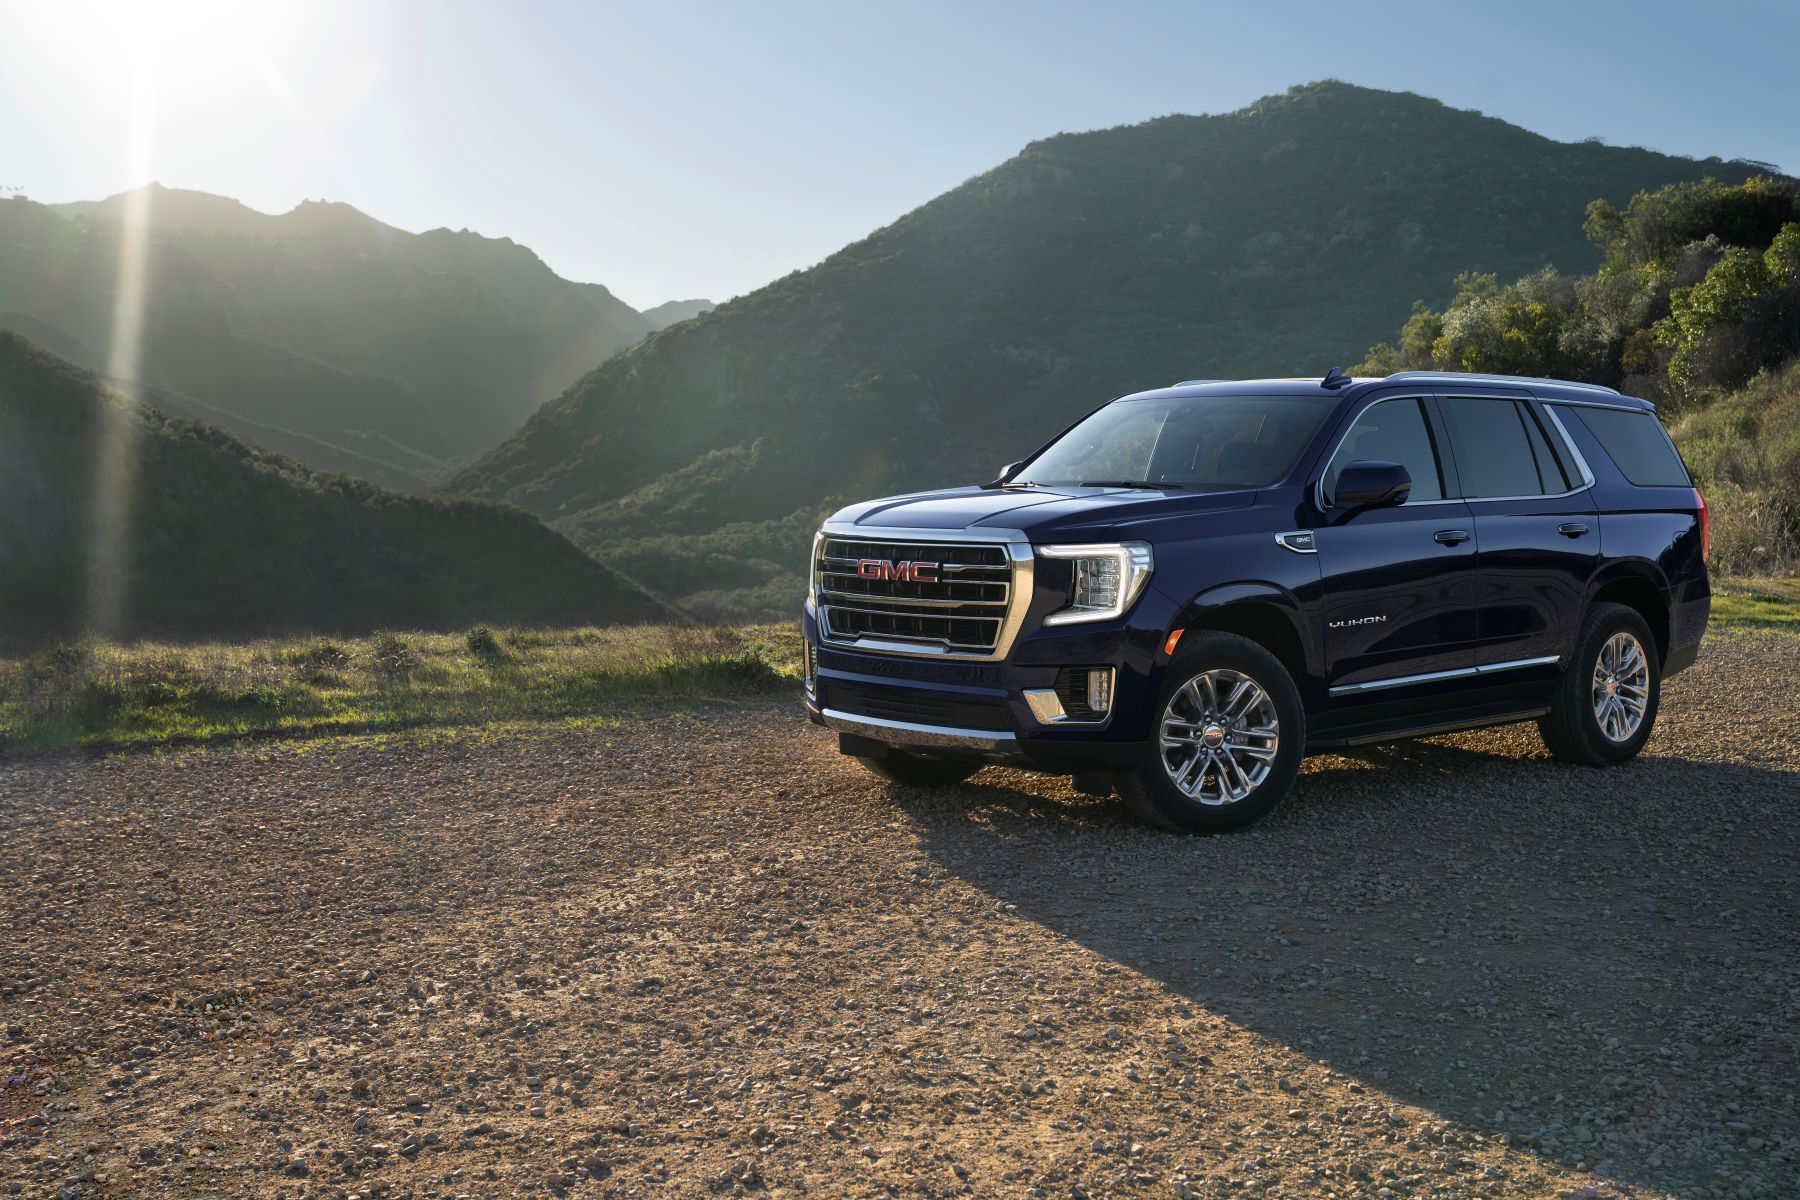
[103, 695]
[1748, 602]
[100, 695]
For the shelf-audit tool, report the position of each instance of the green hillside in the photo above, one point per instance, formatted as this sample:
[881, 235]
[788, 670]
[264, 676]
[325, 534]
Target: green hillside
[1696, 307]
[218, 539]
[410, 350]
[1280, 239]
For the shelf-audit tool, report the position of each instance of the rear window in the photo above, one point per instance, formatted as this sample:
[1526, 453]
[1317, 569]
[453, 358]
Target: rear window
[1638, 446]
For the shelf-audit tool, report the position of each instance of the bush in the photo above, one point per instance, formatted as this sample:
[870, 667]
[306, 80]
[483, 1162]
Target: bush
[392, 657]
[484, 645]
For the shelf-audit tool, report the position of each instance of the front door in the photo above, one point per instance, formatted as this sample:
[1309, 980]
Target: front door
[1398, 582]
[1537, 532]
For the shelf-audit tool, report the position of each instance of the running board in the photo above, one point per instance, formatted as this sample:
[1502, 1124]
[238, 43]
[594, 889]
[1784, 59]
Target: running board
[1366, 734]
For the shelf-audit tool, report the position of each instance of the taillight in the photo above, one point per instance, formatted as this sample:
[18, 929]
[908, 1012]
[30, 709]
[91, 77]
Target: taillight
[1705, 525]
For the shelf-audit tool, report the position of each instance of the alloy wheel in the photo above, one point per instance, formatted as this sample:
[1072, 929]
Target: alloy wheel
[1621, 686]
[1219, 735]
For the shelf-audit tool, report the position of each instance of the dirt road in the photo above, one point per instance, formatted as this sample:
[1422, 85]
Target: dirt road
[704, 954]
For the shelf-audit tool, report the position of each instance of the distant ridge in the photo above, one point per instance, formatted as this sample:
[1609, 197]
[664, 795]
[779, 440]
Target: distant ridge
[321, 322]
[228, 541]
[676, 311]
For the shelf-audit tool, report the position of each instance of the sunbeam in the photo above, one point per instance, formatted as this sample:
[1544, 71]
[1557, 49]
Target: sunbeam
[115, 457]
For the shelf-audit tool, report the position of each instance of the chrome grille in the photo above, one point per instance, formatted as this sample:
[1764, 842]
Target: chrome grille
[962, 608]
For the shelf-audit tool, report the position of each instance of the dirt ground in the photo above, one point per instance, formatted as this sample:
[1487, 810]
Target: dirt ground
[704, 955]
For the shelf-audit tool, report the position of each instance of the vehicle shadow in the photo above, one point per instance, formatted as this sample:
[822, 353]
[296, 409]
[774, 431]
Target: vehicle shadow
[1602, 965]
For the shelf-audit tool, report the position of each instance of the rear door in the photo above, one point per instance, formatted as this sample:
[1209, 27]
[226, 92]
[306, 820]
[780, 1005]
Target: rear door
[1398, 582]
[1537, 532]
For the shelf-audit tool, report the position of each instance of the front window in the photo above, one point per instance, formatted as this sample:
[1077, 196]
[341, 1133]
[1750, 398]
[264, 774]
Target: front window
[1203, 443]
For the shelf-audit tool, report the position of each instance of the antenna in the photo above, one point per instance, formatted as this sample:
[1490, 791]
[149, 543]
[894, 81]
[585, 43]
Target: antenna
[1335, 379]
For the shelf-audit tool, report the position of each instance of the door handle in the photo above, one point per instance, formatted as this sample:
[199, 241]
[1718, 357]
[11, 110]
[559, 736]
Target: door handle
[1451, 537]
[1573, 529]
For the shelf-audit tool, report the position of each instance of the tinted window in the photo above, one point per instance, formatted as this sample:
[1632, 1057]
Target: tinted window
[1551, 471]
[1637, 444]
[1190, 442]
[1494, 454]
[1392, 431]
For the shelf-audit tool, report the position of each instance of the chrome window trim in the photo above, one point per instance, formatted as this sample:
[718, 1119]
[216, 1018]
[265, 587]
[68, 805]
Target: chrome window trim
[1587, 474]
[1376, 685]
[1019, 593]
[1563, 495]
[917, 735]
[1580, 460]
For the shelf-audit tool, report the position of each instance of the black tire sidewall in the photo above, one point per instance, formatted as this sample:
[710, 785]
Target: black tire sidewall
[1151, 787]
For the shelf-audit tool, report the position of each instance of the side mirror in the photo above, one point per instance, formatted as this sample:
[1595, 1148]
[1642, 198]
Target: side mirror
[1371, 483]
[1005, 474]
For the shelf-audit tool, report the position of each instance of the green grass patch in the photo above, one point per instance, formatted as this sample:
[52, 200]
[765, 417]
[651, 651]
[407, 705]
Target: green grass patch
[1747, 602]
[97, 694]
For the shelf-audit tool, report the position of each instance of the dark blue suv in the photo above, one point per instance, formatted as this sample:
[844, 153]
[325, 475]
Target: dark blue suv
[1190, 588]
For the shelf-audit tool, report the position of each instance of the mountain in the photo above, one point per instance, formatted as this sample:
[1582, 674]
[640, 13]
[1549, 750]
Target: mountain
[222, 540]
[676, 311]
[411, 351]
[1283, 238]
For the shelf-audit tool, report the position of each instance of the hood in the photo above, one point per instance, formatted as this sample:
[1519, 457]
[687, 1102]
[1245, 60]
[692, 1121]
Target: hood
[1033, 510]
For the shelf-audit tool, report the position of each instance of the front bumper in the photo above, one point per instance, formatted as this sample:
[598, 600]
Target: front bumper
[973, 709]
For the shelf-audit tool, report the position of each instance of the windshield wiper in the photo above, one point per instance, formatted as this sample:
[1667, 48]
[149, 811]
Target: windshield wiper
[1129, 483]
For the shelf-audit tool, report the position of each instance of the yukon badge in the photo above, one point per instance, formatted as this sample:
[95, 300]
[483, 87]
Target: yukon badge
[897, 572]
[1348, 622]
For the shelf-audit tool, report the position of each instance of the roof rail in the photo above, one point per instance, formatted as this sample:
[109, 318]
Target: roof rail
[1471, 377]
[1189, 382]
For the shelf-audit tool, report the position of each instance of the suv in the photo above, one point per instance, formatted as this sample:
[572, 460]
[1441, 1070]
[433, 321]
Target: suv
[1190, 588]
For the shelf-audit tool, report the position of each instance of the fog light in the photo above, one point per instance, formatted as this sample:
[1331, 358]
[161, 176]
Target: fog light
[810, 667]
[1099, 690]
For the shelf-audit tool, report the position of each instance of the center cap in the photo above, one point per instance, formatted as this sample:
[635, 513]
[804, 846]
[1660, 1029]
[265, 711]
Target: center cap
[1612, 687]
[1213, 736]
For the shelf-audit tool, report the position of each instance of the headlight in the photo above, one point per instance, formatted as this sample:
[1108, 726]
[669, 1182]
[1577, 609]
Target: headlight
[1107, 579]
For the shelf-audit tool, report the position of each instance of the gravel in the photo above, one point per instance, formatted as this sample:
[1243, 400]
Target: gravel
[704, 955]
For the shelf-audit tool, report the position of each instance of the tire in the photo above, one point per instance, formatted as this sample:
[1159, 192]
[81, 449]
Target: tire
[915, 770]
[1210, 663]
[1574, 729]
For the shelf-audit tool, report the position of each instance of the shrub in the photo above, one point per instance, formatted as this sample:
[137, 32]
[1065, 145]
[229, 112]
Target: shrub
[392, 657]
[484, 645]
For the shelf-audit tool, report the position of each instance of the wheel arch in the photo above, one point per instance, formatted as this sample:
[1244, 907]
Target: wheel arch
[1265, 613]
[1639, 586]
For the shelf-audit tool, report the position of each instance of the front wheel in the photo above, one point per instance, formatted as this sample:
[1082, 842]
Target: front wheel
[1228, 738]
[1606, 704]
[915, 770]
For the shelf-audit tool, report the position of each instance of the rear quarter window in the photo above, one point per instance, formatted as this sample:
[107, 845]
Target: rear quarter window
[1637, 445]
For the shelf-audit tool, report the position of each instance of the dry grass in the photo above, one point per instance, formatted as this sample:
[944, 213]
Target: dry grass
[102, 694]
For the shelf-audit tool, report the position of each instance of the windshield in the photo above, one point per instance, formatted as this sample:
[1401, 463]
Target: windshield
[1208, 442]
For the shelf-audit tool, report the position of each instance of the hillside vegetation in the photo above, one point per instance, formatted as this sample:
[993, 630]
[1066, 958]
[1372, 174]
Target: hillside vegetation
[1280, 239]
[320, 332]
[215, 538]
[1696, 307]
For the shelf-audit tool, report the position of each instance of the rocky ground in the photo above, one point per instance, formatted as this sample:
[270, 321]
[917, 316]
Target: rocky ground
[705, 955]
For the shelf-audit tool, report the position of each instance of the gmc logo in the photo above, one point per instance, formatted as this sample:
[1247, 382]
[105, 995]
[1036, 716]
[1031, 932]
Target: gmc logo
[897, 572]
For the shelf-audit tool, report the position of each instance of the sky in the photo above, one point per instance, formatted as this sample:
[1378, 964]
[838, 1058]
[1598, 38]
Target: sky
[672, 150]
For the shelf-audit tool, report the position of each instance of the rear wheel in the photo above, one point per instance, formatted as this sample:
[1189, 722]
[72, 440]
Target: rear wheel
[916, 770]
[1228, 738]
[1605, 705]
